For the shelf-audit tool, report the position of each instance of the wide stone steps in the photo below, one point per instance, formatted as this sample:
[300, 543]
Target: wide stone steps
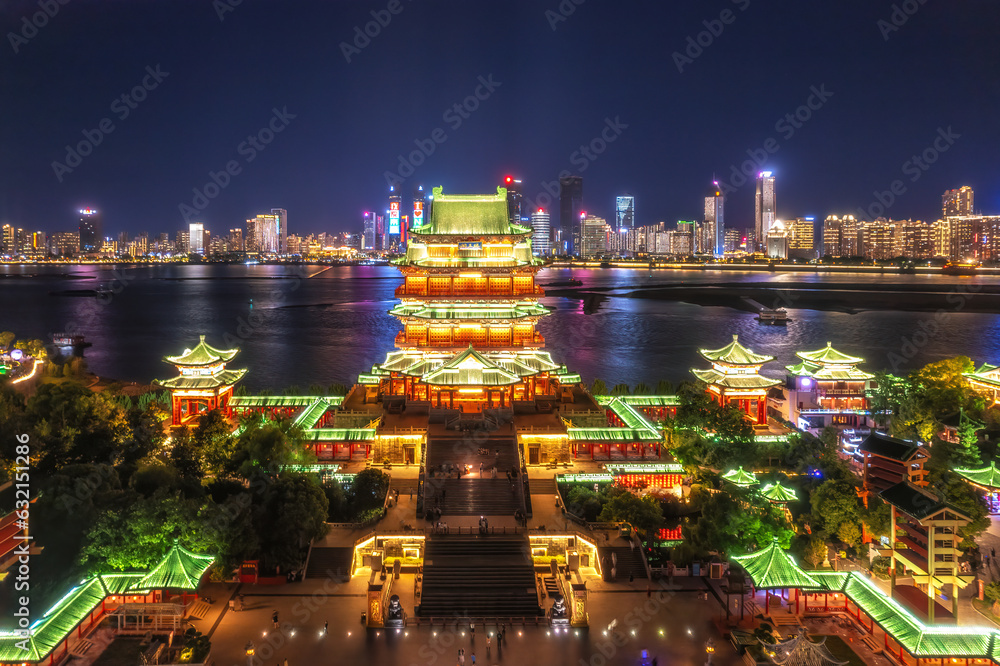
[629, 561]
[474, 497]
[478, 576]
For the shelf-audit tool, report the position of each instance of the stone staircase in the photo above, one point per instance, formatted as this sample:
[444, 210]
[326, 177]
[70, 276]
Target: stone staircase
[326, 562]
[629, 561]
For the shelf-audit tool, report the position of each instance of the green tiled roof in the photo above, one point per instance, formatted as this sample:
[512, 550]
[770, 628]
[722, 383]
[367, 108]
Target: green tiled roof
[772, 568]
[646, 400]
[202, 354]
[180, 569]
[312, 414]
[985, 477]
[829, 356]
[735, 354]
[224, 378]
[340, 434]
[283, 400]
[611, 434]
[713, 376]
[775, 492]
[470, 368]
[825, 373]
[522, 363]
[740, 477]
[470, 214]
[478, 311]
[985, 374]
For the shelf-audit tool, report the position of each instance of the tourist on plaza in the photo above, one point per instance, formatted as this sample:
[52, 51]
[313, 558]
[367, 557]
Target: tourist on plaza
[473, 659]
[326, 627]
[274, 619]
[488, 641]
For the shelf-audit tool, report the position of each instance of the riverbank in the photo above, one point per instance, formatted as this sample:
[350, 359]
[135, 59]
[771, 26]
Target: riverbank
[773, 267]
[849, 298]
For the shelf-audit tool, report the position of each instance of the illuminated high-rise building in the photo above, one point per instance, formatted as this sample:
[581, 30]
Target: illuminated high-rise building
[570, 205]
[196, 238]
[957, 202]
[368, 236]
[714, 227]
[541, 234]
[593, 236]
[394, 230]
[281, 222]
[801, 233]
[90, 230]
[515, 201]
[764, 210]
[624, 212]
[733, 241]
[419, 208]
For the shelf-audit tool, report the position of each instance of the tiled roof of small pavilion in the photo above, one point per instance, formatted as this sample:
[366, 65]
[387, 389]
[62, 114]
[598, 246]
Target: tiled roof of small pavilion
[984, 477]
[713, 376]
[470, 368]
[829, 356]
[523, 363]
[740, 477]
[775, 492]
[202, 354]
[224, 378]
[180, 569]
[283, 400]
[735, 354]
[470, 214]
[883, 445]
[771, 568]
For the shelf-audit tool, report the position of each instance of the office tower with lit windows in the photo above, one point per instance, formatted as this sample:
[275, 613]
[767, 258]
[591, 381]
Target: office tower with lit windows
[957, 202]
[90, 230]
[733, 241]
[764, 209]
[624, 212]
[570, 206]
[368, 236]
[801, 237]
[394, 231]
[196, 238]
[419, 208]
[714, 224]
[541, 235]
[515, 201]
[593, 236]
[281, 222]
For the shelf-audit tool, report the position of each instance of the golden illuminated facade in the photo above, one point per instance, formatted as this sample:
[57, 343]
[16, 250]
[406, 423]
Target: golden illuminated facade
[469, 308]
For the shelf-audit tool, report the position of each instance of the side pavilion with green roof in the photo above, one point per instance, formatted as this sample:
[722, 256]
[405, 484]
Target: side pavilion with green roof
[909, 640]
[986, 380]
[829, 389]
[51, 636]
[986, 479]
[735, 379]
[740, 477]
[203, 382]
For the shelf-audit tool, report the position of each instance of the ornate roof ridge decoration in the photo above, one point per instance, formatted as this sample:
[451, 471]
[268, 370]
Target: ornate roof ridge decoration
[202, 354]
[735, 354]
[179, 569]
[470, 368]
[470, 215]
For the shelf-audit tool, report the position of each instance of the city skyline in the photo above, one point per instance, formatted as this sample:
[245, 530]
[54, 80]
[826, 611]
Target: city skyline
[619, 143]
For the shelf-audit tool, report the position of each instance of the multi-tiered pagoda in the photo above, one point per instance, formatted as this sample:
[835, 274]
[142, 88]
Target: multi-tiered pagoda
[203, 382]
[735, 379]
[469, 307]
[829, 389]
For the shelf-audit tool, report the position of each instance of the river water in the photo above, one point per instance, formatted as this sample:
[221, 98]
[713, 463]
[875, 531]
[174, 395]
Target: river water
[311, 326]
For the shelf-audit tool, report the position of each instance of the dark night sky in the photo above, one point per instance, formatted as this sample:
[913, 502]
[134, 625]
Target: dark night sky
[557, 87]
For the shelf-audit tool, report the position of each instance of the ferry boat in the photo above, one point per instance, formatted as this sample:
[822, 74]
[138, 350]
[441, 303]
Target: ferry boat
[67, 340]
[773, 316]
[959, 268]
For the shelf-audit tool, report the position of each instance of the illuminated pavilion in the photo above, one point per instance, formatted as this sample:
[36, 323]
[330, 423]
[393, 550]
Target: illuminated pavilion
[986, 380]
[469, 308]
[735, 379]
[203, 382]
[829, 389]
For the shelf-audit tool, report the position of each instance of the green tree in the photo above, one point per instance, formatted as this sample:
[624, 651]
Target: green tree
[267, 449]
[849, 533]
[833, 503]
[734, 523]
[816, 551]
[212, 442]
[888, 393]
[584, 502]
[642, 512]
[6, 339]
[368, 489]
[642, 389]
[620, 389]
[599, 387]
[664, 387]
[292, 513]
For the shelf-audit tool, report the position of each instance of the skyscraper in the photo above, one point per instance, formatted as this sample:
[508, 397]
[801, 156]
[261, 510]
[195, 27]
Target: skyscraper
[369, 231]
[394, 232]
[541, 237]
[801, 235]
[282, 223]
[957, 202]
[264, 232]
[593, 236]
[419, 206]
[514, 199]
[196, 238]
[764, 209]
[624, 212]
[714, 225]
[90, 230]
[570, 203]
